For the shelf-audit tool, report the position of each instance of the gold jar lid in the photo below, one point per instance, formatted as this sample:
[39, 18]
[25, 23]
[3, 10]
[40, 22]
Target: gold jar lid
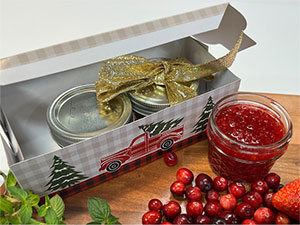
[74, 115]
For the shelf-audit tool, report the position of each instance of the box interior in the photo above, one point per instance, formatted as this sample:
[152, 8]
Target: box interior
[25, 103]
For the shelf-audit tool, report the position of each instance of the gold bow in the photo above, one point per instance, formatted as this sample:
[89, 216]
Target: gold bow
[126, 73]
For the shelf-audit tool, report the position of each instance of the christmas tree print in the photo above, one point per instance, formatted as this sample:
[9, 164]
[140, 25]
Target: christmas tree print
[63, 175]
[159, 127]
[202, 122]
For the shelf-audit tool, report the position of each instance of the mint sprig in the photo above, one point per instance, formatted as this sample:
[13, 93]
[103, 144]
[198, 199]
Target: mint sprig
[100, 212]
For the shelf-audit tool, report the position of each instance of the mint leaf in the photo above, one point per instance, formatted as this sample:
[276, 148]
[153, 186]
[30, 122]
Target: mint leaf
[42, 211]
[33, 199]
[112, 220]
[6, 206]
[51, 217]
[58, 206]
[99, 209]
[10, 180]
[25, 213]
[14, 220]
[17, 193]
[4, 220]
[47, 201]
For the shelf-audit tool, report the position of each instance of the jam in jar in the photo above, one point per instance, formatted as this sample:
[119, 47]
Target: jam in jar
[247, 133]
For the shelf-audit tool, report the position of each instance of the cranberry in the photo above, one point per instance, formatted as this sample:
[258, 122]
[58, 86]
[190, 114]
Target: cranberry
[220, 183]
[281, 218]
[166, 222]
[193, 194]
[228, 202]
[264, 216]
[204, 182]
[244, 210]
[202, 219]
[151, 217]
[218, 220]
[249, 222]
[253, 198]
[212, 195]
[170, 158]
[212, 209]
[260, 186]
[237, 189]
[171, 210]
[273, 180]
[268, 199]
[194, 208]
[182, 219]
[278, 188]
[185, 176]
[155, 205]
[229, 217]
[177, 188]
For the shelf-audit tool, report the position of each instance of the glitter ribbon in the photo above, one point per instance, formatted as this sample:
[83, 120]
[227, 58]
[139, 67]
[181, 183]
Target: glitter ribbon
[129, 73]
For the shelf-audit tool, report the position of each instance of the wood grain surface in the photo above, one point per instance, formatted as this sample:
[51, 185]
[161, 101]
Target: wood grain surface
[128, 194]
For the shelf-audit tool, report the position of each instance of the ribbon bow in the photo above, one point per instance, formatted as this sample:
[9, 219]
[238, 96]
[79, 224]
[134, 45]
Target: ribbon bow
[127, 73]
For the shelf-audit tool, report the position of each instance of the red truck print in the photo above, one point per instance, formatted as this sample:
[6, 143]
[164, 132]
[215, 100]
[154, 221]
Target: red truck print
[141, 146]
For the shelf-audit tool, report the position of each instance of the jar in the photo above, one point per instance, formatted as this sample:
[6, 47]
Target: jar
[74, 115]
[152, 98]
[247, 133]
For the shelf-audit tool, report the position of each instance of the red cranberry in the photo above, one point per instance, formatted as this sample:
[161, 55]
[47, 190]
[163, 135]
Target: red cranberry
[194, 208]
[182, 219]
[237, 189]
[218, 220]
[155, 205]
[171, 210]
[229, 217]
[264, 216]
[244, 210]
[281, 218]
[273, 180]
[278, 188]
[204, 182]
[260, 186]
[253, 198]
[193, 194]
[151, 217]
[202, 219]
[268, 200]
[185, 176]
[212, 195]
[166, 222]
[212, 209]
[177, 188]
[170, 158]
[220, 183]
[228, 202]
[249, 222]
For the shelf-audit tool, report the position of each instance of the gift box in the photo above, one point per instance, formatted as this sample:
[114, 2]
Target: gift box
[31, 80]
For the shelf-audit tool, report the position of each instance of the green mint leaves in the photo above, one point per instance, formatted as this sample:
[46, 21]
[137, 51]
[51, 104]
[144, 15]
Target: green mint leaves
[18, 206]
[100, 212]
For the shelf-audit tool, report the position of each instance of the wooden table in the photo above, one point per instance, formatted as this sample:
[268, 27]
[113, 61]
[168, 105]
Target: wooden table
[128, 195]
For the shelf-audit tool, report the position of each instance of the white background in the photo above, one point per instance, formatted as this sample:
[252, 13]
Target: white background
[271, 66]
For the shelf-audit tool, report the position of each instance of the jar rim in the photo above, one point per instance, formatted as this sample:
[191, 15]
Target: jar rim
[285, 139]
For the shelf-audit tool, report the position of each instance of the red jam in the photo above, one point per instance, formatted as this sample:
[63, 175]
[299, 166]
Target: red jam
[244, 140]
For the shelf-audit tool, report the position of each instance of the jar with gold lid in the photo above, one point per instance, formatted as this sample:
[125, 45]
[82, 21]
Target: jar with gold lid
[74, 115]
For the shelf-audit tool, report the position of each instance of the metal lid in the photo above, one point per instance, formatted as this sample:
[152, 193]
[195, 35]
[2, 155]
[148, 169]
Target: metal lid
[74, 115]
[153, 98]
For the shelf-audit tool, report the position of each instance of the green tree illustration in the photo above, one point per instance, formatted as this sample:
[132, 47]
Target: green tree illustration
[63, 175]
[161, 126]
[202, 122]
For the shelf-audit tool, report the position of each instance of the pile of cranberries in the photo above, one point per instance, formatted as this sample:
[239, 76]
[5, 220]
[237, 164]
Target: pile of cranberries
[215, 201]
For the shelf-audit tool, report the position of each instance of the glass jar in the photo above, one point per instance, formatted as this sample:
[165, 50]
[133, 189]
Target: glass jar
[247, 133]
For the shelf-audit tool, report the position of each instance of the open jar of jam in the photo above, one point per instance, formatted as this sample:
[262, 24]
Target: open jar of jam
[247, 133]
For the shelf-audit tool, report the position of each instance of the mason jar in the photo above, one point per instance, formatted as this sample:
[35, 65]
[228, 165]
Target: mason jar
[247, 133]
[74, 115]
